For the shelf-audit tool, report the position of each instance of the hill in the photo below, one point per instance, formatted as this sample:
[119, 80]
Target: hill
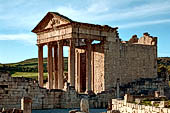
[164, 62]
[28, 65]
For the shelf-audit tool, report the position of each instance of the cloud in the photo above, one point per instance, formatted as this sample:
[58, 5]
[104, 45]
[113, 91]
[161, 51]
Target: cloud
[101, 12]
[137, 24]
[28, 38]
[95, 11]
[142, 11]
[99, 6]
[26, 15]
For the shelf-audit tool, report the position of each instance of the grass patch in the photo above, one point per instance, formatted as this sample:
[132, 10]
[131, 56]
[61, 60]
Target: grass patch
[28, 75]
[146, 103]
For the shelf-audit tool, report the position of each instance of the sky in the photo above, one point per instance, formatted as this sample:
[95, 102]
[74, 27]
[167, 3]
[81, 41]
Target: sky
[19, 17]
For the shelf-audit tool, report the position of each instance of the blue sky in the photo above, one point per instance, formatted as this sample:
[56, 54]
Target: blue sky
[19, 17]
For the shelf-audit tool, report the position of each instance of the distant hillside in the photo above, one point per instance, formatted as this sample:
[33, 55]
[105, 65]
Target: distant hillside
[31, 65]
[163, 62]
[28, 65]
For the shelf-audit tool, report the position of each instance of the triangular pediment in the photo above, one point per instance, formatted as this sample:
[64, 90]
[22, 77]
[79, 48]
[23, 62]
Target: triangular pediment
[51, 20]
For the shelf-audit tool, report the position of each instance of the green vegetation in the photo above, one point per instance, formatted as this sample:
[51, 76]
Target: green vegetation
[146, 103]
[164, 64]
[29, 65]
[28, 75]
[28, 68]
[167, 105]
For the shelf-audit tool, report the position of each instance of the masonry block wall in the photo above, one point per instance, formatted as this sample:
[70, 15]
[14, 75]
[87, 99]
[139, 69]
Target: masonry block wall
[112, 63]
[129, 60]
[137, 61]
[13, 89]
[124, 107]
[98, 68]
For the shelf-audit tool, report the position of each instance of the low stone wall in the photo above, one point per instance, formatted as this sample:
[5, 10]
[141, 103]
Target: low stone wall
[26, 107]
[124, 107]
[13, 89]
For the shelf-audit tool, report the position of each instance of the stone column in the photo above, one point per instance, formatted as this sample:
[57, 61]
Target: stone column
[40, 65]
[50, 66]
[55, 61]
[71, 63]
[161, 89]
[118, 88]
[88, 65]
[78, 71]
[60, 65]
[26, 105]
[92, 70]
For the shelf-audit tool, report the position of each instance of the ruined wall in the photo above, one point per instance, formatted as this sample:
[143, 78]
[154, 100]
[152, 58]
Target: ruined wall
[128, 61]
[124, 107]
[111, 63]
[98, 68]
[137, 61]
[13, 89]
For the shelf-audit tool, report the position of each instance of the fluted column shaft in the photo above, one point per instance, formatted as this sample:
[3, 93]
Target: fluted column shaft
[88, 65]
[50, 66]
[55, 61]
[40, 65]
[71, 63]
[60, 65]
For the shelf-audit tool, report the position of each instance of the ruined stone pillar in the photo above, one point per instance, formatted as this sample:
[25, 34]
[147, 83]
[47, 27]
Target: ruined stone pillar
[71, 63]
[88, 65]
[60, 65]
[55, 62]
[50, 66]
[84, 105]
[40, 65]
[118, 88]
[26, 105]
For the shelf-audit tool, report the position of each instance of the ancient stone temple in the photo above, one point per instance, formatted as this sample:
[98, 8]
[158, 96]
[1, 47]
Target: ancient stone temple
[97, 58]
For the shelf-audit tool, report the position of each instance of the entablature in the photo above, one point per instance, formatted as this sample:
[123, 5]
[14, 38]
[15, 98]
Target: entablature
[55, 27]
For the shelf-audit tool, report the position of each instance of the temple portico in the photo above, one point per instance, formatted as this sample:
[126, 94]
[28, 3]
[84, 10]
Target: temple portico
[57, 31]
[55, 63]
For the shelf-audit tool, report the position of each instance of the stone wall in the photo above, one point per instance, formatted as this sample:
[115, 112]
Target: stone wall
[137, 61]
[13, 89]
[98, 69]
[124, 107]
[113, 59]
[111, 64]
[128, 61]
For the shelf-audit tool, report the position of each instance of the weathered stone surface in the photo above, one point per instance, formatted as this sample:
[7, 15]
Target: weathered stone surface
[73, 111]
[118, 106]
[26, 105]
[84, 105]
[43, 98]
